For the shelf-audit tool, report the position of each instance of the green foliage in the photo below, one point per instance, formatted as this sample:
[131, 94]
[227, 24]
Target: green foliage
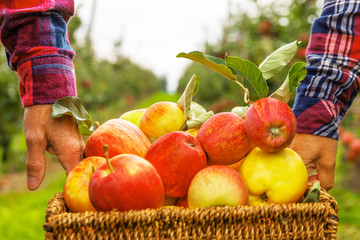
[253, 35]
[10, 105]
[253, 79]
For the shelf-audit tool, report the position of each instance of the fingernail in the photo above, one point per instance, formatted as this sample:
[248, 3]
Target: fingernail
[32, 183]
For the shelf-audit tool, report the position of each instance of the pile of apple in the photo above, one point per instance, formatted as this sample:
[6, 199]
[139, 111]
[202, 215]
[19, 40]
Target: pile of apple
[148, 159]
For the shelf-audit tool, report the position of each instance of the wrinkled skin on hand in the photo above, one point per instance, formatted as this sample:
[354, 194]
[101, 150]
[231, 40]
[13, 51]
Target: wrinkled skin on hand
[59, 136]
[318, 153]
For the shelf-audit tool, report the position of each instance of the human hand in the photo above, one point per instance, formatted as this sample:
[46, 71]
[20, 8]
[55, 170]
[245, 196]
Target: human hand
[318, 153]
[59, 136]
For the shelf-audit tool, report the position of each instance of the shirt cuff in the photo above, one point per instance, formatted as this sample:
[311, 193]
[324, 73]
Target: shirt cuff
[316, 116]
[46, 77]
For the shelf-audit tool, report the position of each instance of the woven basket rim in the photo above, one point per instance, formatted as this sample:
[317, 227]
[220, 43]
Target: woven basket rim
[59, 219]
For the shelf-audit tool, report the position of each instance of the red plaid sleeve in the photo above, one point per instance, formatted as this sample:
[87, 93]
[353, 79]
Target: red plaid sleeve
[34, 34]
[332, 81]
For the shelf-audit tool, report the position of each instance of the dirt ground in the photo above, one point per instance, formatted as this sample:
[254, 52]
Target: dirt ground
[16, 181]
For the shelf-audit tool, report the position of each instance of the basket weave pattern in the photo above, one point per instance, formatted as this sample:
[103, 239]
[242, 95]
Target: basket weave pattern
[277, 221]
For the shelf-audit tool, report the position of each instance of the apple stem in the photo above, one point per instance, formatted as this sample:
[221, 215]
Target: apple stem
[92, 169]
[97, 125]
[106, 153]
[274, 132]
[264, 197]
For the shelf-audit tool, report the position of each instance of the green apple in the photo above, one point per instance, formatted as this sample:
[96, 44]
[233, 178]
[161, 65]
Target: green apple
[133, 116]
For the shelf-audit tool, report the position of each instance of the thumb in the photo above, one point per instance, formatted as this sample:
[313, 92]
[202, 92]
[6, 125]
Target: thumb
[35, 163]
[70, 157]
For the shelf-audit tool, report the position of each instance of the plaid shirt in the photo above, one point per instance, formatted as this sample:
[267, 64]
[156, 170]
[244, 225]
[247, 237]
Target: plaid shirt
[34, 35]
[332, 80]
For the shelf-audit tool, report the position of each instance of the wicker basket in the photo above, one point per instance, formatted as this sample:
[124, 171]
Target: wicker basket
[278, 221]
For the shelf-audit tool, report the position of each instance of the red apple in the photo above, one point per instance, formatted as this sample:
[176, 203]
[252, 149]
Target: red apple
[161, 118]
[224, 139]
[177, 156]
[182, 202]
[217, 185]
[76, 188]
[126, 182]
[121, 136]
[270, 124]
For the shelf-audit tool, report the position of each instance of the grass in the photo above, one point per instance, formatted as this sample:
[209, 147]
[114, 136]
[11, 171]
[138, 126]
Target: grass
[348, 201]
[23, 213]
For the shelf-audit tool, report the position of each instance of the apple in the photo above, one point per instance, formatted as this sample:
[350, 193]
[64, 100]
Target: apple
[177, 157]
[161, 118]
[274, 177]
[236, 166]
[76, 188]
[133, 116]
[121, 136]
[193, 131]
[224, 139]
[182, 202]
[270, 124]
[217, 185]
[126, 182]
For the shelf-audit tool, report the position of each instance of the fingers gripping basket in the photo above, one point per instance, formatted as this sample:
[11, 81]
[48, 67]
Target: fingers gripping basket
[282, 221]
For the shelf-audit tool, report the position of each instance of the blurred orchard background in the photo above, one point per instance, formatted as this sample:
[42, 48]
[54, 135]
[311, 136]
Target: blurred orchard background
[112, 85]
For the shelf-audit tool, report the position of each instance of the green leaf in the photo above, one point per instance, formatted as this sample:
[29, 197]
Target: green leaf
[198, 116]
[275, 62]
[249, 76]
[295, 75]
[216, 64]
[314, 193]
[240, 111]
[71, 106]
[85, 131]
[189, 92]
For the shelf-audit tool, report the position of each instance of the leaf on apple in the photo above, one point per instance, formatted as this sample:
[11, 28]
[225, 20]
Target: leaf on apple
[295, 75]
[275, 62]
[195, 114]
[198, 116]
[314, 193]
[189, 92]
[73, 106]
[240, 110]
[216, 64]
[253, 79]
[249, 76]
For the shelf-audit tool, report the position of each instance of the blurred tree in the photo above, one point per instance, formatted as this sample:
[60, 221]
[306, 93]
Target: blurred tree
[253, 35]
[117, 84]
[10, 105]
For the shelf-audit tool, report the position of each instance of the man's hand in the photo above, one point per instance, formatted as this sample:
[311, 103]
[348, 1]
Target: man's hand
[58, 136]
[318, 153]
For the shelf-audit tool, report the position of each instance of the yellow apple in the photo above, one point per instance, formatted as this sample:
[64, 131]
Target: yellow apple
[161, 118]
[277, 177]
[76, 188]
[133, 116]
